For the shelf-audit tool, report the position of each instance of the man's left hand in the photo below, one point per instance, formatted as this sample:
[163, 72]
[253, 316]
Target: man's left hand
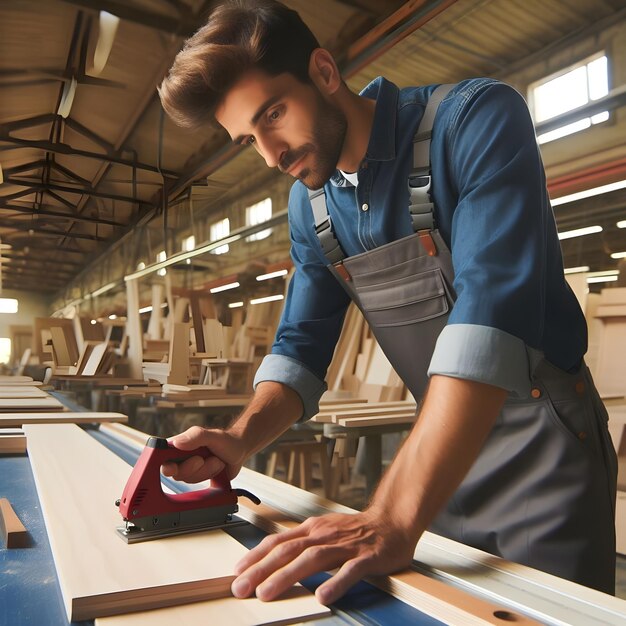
[359, 544]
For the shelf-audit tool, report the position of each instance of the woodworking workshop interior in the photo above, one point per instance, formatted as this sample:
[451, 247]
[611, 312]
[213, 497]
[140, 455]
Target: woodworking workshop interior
[312, 312]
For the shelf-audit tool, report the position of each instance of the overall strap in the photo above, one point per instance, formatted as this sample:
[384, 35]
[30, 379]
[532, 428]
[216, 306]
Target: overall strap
[421, 206]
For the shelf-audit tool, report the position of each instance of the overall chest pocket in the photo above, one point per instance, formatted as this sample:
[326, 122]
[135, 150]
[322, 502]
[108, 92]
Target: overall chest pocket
[407, 300]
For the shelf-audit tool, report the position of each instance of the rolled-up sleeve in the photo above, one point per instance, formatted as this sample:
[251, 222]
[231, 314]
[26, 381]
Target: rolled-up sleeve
[312, 318]
[498, 241]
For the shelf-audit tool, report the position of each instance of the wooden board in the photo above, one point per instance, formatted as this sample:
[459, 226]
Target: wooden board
[18, 419]
[299, 604]
[12, 441]
[11, 380]
[100, 574]
[11, 405]
[22, 392]
[359, 422]
[13, 533]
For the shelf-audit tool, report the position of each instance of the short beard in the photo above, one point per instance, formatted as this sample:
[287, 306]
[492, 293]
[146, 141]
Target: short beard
[329, 133]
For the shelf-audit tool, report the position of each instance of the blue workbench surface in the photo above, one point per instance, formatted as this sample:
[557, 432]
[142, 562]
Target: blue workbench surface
[29, 588]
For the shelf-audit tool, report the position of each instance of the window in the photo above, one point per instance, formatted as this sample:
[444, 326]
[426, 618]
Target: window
[8, 305]
[219, 230]
[161, 257]
[5, 349]
[257, 214]
[575, 87]
[189, 243]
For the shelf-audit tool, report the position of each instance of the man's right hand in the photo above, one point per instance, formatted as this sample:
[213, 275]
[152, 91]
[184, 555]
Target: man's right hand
[227, 452]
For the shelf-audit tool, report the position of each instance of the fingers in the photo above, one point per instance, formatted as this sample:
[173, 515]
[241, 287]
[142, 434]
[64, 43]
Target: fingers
[192, 438]
[264, 548]
[285, 565]
[195, 469]
[348, 575]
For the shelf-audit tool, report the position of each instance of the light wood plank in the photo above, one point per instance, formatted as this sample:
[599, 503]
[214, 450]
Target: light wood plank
[382, 420]
[11, 528]
[298, 603]
[12, 443]
[22, 392]
[18, 419]
[30, 404]
[99, 573]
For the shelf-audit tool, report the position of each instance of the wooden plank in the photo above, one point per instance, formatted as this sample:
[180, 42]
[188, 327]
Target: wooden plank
[178, 371]
[298, 603]
[20, 383]
[30, 404]
[11, 380]
[356, 422]
[22, 392]
[18, 419]
[100, 574]
[12, 441]
[11, 528]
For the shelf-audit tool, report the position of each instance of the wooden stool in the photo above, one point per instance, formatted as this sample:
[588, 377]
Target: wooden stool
[300, 463]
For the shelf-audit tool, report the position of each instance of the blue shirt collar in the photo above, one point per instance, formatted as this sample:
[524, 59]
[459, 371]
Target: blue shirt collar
[382, 143]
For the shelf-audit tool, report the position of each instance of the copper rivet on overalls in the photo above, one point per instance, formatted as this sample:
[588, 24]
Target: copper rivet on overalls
[582, 435]
[580, 386]
[536, 393]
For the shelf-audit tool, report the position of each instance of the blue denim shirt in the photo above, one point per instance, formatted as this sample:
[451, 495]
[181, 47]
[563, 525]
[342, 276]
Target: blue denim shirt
[492, 209]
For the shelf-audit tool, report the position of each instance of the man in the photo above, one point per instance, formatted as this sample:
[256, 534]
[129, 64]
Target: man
[510, 452]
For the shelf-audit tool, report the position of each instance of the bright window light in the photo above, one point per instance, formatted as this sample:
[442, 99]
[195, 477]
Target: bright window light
[257, 214]
[161, 257]
[235, 305]
[588, 193]
[189, 243]
[219, 230]
[272, 275]
[573, 88]
[579, 232]
[267, 299]
[618, 255]
[5, 349]
[576, 270]
[8, 305]
[224, 287]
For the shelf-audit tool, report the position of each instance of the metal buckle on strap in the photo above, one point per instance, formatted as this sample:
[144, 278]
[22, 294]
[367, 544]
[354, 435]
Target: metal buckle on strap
[342, 271]
[325, 225]
[421, 206]
[428, 242]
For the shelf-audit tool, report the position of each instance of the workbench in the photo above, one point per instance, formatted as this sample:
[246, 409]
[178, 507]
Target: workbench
[30, 594]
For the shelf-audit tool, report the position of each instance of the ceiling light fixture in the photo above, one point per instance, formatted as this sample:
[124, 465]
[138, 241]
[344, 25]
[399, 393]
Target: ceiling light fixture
[67, 98]
[235, 305]
[601, 279]
[267, 299]
[272, 275]
[107, 29]
[224, 287]
[588, 193]
[576, 270]
[618, 255]
[621, 224]
[579, 232]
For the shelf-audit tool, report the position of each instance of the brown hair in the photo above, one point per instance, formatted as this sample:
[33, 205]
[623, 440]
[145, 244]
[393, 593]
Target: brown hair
[239, 35]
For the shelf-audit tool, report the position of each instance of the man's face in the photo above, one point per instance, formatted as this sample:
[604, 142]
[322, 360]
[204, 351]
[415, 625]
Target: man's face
[289, 124]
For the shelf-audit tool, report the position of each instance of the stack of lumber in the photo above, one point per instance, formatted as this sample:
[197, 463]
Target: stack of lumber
[359, 364]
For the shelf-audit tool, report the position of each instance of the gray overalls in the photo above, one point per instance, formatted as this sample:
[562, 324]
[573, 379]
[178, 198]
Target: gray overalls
[542, 491]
